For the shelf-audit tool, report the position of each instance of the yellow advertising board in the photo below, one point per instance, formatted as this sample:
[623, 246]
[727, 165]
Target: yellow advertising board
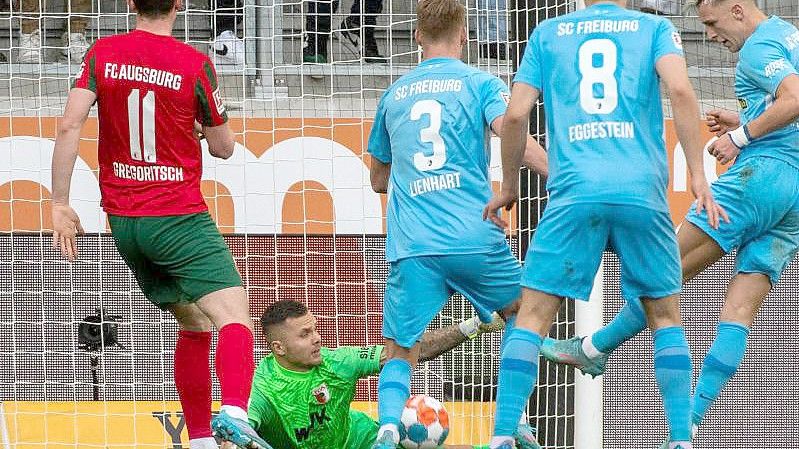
[160, 425]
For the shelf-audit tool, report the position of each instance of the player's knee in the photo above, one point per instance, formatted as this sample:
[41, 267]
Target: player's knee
[227, 306]
[395, 351]
[662, 312]
[191, 318]
[743, 314]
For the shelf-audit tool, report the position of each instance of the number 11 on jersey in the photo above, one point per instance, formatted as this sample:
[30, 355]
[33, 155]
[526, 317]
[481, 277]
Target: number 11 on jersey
[142, 111]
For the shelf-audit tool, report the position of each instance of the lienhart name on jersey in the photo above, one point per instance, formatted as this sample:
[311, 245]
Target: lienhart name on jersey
[143, 75]
[428, 87]
[598, 26]
[434, 183]
[602, 130]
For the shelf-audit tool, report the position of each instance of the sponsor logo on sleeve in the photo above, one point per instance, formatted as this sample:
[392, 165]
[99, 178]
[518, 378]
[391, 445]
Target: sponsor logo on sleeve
[505, 97]
[675, 37]
[79, 75]
[220, 105]
[774, 67]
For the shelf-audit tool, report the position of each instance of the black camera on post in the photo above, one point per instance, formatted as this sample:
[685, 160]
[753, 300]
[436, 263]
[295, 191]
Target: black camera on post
[98, 331]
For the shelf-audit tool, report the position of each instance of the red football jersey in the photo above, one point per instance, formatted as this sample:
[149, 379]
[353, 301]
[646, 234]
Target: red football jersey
[150, 90]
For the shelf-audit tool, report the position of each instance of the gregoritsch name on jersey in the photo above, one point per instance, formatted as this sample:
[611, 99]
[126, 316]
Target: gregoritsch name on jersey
[150, 91]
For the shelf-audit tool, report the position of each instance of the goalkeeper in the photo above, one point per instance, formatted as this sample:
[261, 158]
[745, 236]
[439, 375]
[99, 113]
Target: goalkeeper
[301, 393]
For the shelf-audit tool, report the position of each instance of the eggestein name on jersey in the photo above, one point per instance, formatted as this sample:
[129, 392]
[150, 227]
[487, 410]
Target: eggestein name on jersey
[601, 130]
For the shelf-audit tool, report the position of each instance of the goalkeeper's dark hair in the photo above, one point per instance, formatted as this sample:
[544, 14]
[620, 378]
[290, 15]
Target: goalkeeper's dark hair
[279, 312]
[154, 9]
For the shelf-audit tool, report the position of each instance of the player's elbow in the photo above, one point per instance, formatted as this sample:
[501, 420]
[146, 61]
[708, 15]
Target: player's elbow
[69, 125]
[224, 150]
[791, 100]
[682, 93]
[514, 117]
[378, 175]
[379, 183]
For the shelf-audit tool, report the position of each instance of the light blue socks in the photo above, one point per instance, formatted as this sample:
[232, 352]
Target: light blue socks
[393, 390]
[625, 325]
[720, 364]
[518, 372]
[673, 375]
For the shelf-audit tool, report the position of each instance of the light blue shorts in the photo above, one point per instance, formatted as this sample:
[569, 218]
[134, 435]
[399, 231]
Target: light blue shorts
[418, 288]
[761, 196]
[567, 247]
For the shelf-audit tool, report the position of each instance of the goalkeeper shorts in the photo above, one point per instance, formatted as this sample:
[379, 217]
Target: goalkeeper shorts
[177, 258]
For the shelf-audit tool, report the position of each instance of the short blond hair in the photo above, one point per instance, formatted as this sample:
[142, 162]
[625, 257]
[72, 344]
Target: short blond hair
[440, 19]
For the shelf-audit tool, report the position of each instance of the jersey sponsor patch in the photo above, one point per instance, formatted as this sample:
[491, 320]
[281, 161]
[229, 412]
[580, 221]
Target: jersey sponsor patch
[742, 103]
[321, 394]
[79, 75]
[220, 105]
[675, 36]
[505, 97]
[774, 67]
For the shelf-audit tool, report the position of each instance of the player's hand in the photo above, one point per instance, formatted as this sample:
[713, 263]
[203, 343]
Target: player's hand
[505, 199]
[198, 131]
[228, 445]
[706, 202]
[496, 324]
[66, 225]
[720, 121]
[723, 149]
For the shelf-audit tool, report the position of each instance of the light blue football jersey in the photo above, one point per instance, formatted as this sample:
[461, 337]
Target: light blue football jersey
[432, 126]
[596, 71]
[769, 55]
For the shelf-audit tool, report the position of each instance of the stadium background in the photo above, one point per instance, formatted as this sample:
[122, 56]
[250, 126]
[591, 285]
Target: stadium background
[303, 223]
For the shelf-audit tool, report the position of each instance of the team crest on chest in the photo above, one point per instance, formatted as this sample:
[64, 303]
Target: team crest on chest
[321, 394]
[742, 103]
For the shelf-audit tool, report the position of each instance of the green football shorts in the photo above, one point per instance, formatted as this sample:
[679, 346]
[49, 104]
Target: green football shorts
[363, 431]
[178, 258]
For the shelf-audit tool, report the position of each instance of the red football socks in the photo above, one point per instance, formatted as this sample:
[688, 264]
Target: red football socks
[193, 381]
[235, 364]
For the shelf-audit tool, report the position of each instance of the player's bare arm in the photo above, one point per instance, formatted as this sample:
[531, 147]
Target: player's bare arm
[220, 140]
[720, 121]
[378, 174]
[784, 111]
[514, 141]
[535, 157]
[66, 223]
[438, 341]
[674, 73]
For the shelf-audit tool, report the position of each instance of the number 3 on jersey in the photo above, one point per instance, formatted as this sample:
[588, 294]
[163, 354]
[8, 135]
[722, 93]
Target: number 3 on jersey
[142, 111]
[604, 75]
[431, 134]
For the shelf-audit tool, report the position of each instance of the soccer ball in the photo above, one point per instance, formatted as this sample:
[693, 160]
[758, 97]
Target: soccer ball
[425, 423]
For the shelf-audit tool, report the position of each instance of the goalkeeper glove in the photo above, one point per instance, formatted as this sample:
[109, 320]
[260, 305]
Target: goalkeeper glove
[473, 327]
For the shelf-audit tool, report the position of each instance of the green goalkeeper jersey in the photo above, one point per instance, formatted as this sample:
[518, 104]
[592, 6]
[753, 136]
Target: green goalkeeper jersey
[311, 410]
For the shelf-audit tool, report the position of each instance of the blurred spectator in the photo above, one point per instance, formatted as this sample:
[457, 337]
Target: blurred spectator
[227, 49]
[492, 28]
[74, 41]
[660, 7]
[317, 30]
